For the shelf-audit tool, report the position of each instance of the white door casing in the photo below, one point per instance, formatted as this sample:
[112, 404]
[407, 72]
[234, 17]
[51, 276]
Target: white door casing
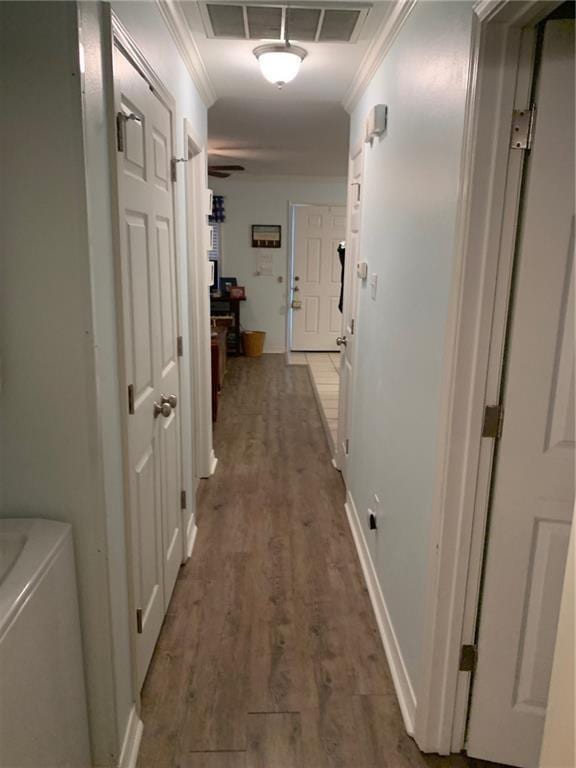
[316, 273]
[533, 493]
[350, 301]
[149, 331]
[197, 195]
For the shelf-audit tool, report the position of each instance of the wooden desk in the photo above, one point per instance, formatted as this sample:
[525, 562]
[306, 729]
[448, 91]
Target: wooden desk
[224, 305]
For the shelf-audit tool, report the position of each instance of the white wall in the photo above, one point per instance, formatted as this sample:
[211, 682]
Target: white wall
[60, 403]
[408, 239]
[50, 439]
[559, 744]
[262, 200]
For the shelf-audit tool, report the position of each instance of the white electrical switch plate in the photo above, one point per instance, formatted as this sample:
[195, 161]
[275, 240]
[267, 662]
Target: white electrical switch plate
[362, 270]
[373, 285]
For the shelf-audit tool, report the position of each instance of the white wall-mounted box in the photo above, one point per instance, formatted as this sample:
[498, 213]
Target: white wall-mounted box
[376, 122]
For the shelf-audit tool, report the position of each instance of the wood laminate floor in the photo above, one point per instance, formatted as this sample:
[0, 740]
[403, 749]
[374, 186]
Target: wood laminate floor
[270, 655]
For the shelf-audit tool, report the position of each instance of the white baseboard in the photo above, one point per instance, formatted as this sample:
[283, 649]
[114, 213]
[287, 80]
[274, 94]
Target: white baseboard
[131, 742]
[213, 462]
[191, 536]
[402, 684]
[274, 350]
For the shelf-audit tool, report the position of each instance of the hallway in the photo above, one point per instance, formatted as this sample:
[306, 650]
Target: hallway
[270, 655]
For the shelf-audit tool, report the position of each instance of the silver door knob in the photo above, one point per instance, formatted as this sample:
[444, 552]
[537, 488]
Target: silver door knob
[162, 409]
[341, 341]
[172, 400]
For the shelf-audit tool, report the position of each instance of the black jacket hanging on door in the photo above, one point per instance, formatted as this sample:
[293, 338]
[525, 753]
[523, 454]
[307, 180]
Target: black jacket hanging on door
[342, 257]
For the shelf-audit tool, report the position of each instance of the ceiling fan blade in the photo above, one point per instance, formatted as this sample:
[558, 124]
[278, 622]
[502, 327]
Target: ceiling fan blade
[226, 168]
[218, 174]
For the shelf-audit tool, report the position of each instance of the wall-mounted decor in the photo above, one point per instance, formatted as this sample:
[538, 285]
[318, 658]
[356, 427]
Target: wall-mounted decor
[266, 235]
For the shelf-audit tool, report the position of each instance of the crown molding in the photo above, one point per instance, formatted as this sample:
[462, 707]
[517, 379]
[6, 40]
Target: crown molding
[184, 40]
[385, 36]
[513, 13]
[484, 9]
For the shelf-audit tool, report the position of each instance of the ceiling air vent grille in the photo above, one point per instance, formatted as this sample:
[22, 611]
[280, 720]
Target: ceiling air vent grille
[311, 22]
[338, 25]
[264, 22]
[226, 20]
[303, 22]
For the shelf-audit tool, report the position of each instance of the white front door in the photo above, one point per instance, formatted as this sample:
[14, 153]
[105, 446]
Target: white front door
[316, 273]
[350, 301]
[149, 307]
[533, 484]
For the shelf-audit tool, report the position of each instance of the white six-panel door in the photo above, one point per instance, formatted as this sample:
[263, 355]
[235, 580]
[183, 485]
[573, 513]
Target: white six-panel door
[347, 356]
[533, 491]
[149, 308]
[316, 319]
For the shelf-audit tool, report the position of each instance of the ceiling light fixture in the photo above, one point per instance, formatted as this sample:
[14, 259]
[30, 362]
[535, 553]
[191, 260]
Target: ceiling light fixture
[280, 63]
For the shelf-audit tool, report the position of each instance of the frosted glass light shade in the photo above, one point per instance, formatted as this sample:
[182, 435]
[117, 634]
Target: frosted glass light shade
[279, 64]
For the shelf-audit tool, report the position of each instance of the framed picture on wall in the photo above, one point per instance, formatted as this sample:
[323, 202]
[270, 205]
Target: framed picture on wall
[266, 235]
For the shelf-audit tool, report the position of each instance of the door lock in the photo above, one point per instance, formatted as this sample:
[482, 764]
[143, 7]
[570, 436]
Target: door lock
[162, 409]
[172, 400]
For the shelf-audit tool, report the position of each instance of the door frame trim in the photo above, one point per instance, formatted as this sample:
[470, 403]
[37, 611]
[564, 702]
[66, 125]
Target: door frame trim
[499, 80]
[199, 304]
[345, 399]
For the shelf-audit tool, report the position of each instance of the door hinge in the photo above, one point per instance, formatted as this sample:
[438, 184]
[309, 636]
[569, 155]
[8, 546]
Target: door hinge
[347, 446]
[180, 346]
[522, 128]
[121, 119]
[131, 398]
[139, 620]
[493, 421]
[352, 327]
[174, 167]
[182, 499]
[468, 657]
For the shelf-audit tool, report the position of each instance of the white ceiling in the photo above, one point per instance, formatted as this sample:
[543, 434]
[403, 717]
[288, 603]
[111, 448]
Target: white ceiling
[277, 136]
[302, 129]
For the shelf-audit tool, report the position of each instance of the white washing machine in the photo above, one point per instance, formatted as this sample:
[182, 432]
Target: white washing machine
[43, 717]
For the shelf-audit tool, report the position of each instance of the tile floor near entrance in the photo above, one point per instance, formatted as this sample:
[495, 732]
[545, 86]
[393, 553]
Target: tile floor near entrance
[324, 368]
[270, 655]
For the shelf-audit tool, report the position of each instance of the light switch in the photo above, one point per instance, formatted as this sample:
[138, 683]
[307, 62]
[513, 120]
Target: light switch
[373, 285]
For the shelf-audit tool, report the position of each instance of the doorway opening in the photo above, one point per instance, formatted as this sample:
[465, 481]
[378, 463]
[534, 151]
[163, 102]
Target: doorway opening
[315, 300]
[315, 305]
[516, 415]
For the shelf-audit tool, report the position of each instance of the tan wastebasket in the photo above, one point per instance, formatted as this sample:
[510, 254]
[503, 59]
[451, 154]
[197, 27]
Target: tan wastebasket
[253, 343]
